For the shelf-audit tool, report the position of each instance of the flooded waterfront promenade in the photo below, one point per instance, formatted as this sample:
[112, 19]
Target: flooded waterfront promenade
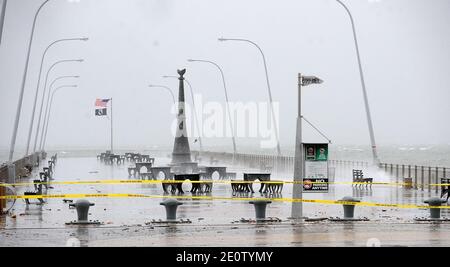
[128, 221]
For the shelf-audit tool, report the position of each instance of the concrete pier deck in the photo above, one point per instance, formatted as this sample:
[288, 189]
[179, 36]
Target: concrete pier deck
[214, 222]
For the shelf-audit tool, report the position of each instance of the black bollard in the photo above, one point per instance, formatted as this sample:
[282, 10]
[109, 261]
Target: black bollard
[171, 206]
[260, 208]
[349, 210]
[435, 213]
[82, 206]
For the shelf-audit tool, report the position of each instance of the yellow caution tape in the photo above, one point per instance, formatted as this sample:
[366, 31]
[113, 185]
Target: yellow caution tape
[116, 182]
[318, 201]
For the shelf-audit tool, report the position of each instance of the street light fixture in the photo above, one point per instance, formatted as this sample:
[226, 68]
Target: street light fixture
[43, 95]
[297, 207]
[51, 104]
[195, 109]
[39, 82]
[363, 83]
[47, 106]
[226, 98]
[274, 119]
[167, 88]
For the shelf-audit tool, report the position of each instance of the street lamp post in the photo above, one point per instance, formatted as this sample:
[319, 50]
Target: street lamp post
[274, 119]
[226, 99]
[44, 94]
[167, 88]
[22, 90]
[2, 19]
[45, 122]
[195, 109]
[51, 104]
[363, 83]
[297, 194]
[39, 82]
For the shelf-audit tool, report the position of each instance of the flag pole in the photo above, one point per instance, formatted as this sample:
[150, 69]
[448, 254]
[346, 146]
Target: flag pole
[112, 146]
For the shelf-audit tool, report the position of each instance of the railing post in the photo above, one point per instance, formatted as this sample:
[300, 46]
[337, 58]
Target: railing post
[397, 172]
[415, 177]
[437, 180]
[429, 179]
[423, 178]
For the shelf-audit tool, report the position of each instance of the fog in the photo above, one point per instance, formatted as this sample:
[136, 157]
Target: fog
[133, 43]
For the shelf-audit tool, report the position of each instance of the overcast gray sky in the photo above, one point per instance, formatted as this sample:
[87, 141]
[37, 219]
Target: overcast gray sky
[404, 45]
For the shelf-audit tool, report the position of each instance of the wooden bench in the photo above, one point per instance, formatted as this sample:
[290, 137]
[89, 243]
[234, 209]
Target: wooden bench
[273, 187]
[132, 171]
[358, 179]
[38, 187]
[249, 179]
[240, 186]
[177, 183]
[140, 165]
[445, 189]
[146, 176]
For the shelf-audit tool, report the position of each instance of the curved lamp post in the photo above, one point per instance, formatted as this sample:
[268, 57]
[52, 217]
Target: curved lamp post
[274, 119]
[2, 19]
[167, 88]
[45, 122]
[22, 90]
[363, 83]
[226, 98]
[51, 104]
[195, 109]
[39, 82]
[44, 94]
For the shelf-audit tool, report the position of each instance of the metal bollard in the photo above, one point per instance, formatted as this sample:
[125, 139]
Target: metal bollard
[435, 213]
[82, 207]
[171, 206]
[349, 210]
[260, 208]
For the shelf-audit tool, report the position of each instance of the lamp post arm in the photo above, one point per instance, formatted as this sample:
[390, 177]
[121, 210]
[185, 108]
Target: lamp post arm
[45, 122]
[43, 98]
[171, 93]
[274, 119]
[2, 18]
[227, 100]
[49, 113]
[30, 130]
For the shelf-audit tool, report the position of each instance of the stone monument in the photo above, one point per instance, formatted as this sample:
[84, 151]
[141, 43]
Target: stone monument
[181, 151]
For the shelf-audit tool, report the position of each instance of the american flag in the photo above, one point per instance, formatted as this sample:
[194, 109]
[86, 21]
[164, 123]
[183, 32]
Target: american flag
[102, 103]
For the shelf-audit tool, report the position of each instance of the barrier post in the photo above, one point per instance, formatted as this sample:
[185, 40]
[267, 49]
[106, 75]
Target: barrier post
[423, 178]
[436, 188]
[415, 177]
[2, 201]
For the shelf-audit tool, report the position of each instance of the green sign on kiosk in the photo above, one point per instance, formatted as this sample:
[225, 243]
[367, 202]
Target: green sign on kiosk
[315, 178]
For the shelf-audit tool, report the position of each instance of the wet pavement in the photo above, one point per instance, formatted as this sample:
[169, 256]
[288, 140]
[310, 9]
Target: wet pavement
[214, 222]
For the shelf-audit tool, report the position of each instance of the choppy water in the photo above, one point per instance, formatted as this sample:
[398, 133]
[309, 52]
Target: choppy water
[426, 155]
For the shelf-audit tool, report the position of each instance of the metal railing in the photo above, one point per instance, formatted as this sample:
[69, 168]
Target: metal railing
[278, 164]
[423, 177]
